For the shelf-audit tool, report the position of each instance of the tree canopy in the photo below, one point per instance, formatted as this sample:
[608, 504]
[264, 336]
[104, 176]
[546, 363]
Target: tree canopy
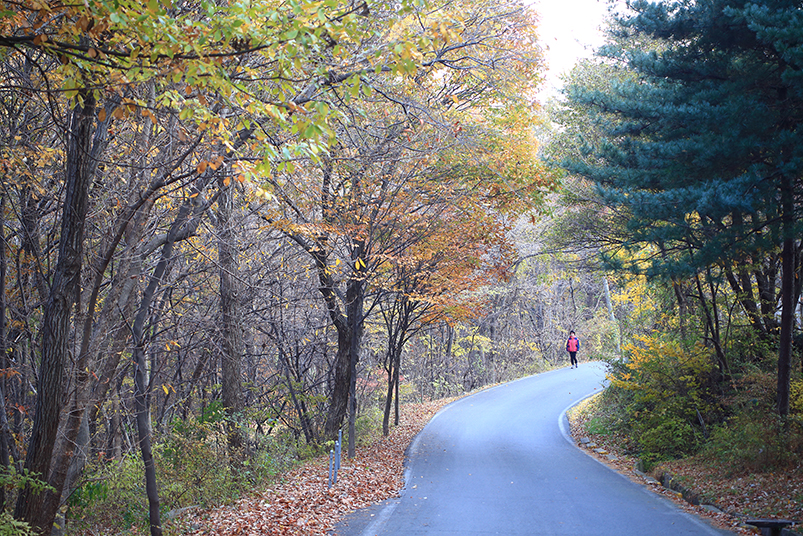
[206, 203]
[694, 130]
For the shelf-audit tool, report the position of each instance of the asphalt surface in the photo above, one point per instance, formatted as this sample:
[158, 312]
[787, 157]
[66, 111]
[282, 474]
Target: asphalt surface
[501, 462]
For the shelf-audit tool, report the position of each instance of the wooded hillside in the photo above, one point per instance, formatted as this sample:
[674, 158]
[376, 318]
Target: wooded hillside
[225, 226]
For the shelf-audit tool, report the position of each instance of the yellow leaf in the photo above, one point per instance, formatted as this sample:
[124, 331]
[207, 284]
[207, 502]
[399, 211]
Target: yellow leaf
[166, 390]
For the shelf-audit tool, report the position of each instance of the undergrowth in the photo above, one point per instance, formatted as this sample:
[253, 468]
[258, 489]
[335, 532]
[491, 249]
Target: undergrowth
[195, 467]
[672, 402]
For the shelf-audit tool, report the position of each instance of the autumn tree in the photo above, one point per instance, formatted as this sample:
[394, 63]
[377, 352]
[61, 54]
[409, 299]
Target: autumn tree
[348, 212]
[147, 60]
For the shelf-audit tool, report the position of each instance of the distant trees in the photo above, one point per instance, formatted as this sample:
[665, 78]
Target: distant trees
[690, 122]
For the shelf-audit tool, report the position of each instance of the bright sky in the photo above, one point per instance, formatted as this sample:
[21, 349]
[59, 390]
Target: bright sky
[570, 30]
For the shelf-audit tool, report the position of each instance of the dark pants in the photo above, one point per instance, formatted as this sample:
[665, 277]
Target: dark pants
[573, 356]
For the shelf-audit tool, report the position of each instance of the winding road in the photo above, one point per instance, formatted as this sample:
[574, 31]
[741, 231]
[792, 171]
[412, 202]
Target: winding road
[501, 462]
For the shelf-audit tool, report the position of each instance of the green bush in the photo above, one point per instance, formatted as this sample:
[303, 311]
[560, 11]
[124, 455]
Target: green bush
[10, 479]
[668, 438]
[746, 349]
[753, 437]
[368, 426]
[112, 494]
[11, 527]
[754, 442]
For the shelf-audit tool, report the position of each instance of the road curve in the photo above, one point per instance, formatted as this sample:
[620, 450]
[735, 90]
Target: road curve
[501, 462]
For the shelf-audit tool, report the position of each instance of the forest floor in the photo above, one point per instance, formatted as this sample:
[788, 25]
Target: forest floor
[304, 504]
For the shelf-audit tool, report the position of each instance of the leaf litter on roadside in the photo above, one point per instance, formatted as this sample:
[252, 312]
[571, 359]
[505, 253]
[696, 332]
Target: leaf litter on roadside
[304, 504]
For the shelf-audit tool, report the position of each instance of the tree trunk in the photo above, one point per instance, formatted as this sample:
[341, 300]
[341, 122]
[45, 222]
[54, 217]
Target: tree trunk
[4, 458]
[141, 392]
[787, 298]
[64, 462]
[231, 328]
[184, 225]
[388, 399]
[338, 403]
[355, 294]
[55, 325]
[396, 387]
[390, 315]
[340, 386]
[712, 324]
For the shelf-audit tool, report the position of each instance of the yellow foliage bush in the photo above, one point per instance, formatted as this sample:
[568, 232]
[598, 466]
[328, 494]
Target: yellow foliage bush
[666, 388]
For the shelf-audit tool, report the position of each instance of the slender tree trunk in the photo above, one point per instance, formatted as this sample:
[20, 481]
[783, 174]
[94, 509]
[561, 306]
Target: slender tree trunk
[390, 315]
[232, 330]
[4, 458]
[388, 398]
[396, 368]
[712, 326]
[141, 392]
[609, 305]
[55, 325]
[787, 298]
[181, 226]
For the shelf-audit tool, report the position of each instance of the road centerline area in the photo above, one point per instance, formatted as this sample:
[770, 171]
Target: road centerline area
[498, 462]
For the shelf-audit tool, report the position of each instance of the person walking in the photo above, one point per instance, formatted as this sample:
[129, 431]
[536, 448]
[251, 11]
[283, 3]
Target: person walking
[572, 345]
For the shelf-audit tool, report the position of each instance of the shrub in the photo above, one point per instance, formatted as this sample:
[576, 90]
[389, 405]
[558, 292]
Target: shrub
[747, 348]
[367, 426]
[796, 397]
[112, 494]
[754, 441]
[193, 467]
[753, 437]
[12, 527]
[10, 479]
[665, 395]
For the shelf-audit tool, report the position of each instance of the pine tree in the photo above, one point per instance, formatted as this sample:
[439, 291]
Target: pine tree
[700, 138]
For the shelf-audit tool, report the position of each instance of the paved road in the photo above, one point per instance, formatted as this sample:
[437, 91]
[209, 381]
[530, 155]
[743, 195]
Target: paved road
[500, 462]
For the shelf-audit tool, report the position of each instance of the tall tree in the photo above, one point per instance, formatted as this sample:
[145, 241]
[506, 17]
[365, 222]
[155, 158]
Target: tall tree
[409, 147]
[65, 288]
[700, 140]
